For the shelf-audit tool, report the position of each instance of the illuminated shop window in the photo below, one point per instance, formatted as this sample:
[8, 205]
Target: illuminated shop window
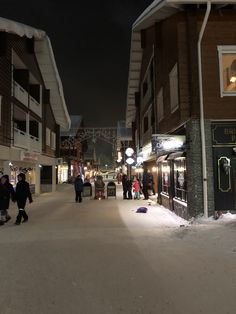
[180, 179]
[165, 178]
[227, 65]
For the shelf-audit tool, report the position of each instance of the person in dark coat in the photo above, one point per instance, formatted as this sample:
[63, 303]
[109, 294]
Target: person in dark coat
[11, 195]
[79, 187]
[124, 185]
[145, 184]
[3, 201]
[22, 194]
[129, 189]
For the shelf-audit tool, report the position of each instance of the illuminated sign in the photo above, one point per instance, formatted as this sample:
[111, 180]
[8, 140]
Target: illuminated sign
[162, 143]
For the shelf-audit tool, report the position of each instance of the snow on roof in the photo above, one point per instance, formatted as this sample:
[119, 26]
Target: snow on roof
[47, 64]
[157, 11]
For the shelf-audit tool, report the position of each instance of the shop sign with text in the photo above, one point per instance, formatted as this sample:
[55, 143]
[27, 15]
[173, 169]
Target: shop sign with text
[162, 144]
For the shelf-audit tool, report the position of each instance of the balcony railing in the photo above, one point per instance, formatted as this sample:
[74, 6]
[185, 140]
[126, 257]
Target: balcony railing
[21, 94]
[35, 144]
[20, 138]
[35, 106]
[25, 140]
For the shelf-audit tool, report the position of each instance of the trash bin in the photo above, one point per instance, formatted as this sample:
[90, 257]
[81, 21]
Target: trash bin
[87, 191]
[111, 189]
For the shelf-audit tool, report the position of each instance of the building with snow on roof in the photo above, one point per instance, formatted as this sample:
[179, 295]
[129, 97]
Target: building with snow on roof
[181, 101]
[33, 108]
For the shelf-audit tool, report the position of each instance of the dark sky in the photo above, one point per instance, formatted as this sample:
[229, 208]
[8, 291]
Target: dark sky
[91, 41]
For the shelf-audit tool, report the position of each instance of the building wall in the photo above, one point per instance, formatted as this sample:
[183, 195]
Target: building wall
[24, 48]
[220, 31]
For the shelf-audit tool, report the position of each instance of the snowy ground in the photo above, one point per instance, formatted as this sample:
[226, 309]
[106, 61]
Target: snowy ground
[103, 257]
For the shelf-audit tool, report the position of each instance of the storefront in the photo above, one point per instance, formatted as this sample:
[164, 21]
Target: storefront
[224, 165]
[35, 166]
[172, 192]
[171, 172]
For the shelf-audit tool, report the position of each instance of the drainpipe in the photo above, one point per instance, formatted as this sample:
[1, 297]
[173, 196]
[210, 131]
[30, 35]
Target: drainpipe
[202, 123]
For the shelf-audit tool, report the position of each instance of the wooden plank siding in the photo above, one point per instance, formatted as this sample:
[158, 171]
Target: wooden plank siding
[24, 49]
[220, 31]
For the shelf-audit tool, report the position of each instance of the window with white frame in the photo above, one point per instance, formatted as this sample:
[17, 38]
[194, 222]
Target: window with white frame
[174, 88]
[227, 66]
[160, 105]
[48, 137]
[53, 140]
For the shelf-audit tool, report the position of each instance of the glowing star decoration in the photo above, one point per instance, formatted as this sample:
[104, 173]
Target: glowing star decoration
[129, 152]
[130, 161]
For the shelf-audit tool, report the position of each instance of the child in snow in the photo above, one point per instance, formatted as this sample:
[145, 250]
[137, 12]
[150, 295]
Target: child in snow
[22, 193]
[137, 189]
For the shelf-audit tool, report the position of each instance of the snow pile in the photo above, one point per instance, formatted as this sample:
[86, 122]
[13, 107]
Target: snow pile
[224, 218]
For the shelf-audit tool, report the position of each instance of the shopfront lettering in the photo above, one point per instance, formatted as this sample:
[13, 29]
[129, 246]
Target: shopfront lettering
[224, 134]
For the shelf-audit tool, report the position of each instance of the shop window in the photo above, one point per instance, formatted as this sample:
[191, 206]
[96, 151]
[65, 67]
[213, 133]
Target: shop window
[165, 178]
[227, 65]
[180, 179]
[48, 137]
[174, 89]
[160, 105]
[53, 140]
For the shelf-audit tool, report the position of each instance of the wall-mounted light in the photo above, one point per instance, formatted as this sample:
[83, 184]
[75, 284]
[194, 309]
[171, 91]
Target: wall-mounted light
[40, 166]
[10, 164]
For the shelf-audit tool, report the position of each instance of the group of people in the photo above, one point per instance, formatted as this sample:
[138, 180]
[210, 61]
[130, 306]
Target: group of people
[19, 195]
[137, 187]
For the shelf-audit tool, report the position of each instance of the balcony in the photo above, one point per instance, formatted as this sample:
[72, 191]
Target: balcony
[35, 106]
[27, 141]
[35, 144]
[21, 94]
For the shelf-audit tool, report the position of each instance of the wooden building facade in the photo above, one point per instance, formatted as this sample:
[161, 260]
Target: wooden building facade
[33, 108]
[163, 102]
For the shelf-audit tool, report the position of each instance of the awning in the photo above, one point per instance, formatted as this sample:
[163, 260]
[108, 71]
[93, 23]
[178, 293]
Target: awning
[162, 158]
[176, 155]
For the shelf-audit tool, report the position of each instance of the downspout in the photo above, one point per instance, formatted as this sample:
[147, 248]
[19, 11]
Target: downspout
[202, 123]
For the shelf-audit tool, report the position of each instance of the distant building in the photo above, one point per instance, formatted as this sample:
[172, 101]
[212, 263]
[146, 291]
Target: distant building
[71, 151]
[32, 106]
[181, 102]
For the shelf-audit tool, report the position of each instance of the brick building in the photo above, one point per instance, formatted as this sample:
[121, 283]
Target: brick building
[181, 99]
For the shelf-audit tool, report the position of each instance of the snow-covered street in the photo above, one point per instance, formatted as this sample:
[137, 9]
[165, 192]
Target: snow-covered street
[101, 257]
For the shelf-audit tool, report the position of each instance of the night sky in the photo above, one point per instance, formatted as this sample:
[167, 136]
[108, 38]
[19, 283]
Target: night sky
[91, 42]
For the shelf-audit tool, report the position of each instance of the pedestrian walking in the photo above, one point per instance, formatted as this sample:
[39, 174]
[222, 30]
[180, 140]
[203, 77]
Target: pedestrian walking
[137, 189]
[79, 187]
[10, 195]
[22, 194]
[129, 189]
[124, 185]
[3, 201]
[145, 184]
